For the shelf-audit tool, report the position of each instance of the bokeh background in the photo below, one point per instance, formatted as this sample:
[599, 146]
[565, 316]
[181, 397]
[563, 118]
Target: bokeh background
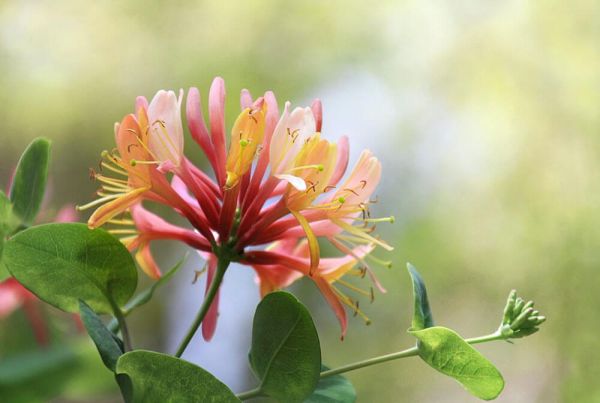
[485, 115]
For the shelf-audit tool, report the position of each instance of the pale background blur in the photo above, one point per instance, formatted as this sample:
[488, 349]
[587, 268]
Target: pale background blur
[485, 115]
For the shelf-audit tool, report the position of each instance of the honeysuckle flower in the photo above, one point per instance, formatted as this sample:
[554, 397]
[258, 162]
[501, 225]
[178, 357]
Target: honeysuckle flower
[165, 137]
[275, 191]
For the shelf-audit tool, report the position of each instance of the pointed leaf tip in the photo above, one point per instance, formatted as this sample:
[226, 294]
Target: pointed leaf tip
[422, 316]
[29, 184]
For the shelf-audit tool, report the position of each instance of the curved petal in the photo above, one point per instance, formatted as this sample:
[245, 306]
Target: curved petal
[209, 324]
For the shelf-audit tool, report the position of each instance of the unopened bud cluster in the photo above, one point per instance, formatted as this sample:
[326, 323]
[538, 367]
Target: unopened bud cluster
[520, 318]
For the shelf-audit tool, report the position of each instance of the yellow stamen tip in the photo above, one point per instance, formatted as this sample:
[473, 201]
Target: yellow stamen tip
[341, 199]
[320, 167]
[244, 143]
[104, 154]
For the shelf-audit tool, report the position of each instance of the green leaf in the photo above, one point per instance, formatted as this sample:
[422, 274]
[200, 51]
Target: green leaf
[448, 353]
[63, 263]
[29, 184]
[333, 389]
[156, 377]
[7, 224]
[108, 345]
[422, 317]
[285, 353]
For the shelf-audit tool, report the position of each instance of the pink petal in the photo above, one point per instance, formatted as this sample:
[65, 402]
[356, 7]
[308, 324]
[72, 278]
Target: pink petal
[245, 99]
[342, 161]
[216, 114]
[317, 109]
[166, 128]
[209, 324]
[197, 126]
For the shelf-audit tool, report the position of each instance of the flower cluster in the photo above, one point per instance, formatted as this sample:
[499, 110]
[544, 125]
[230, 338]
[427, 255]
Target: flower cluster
[277, 188]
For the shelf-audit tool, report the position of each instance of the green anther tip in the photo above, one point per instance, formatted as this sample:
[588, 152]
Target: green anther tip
[104, 154]
[392, 219]
[244, 142]
[320, 167]
[133, 163]
[341, 199]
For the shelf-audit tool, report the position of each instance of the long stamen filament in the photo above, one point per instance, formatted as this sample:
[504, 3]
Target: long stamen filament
[318, 167]
[97, 201]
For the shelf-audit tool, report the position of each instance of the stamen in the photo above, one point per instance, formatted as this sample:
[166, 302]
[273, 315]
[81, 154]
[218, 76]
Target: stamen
[112, 181]
[390, 219]
[114, 169]
[354, 306]
[136, 162]
[353, 287]
[97, 201]
[121, 222]
[113, 189]
[318, 167]
[384, 263]
[170, 147]
[123, 231]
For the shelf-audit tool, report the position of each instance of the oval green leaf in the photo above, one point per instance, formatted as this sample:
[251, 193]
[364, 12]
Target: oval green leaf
[7, 223]
[156, 377]
[63, 263]
[447, 352]
[422, 317]
[108, 345]
[333, 389]
[29, 184]
[285, 353]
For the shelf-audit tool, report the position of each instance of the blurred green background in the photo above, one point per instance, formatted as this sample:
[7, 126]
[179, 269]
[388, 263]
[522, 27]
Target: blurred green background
[485, 115]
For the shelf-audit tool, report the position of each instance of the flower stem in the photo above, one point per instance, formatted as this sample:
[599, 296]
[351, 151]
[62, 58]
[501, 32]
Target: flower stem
[410, 352]
[210, 296]
[250, 394]
[123, 327]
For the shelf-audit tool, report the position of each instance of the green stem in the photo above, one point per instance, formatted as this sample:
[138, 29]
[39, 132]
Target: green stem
[371, 361]
[410, 352]
[250, 394]
[123, 328]
[208, 299]
[483, 339]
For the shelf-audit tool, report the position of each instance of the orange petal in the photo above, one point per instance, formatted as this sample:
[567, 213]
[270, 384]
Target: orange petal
[313, 243]
[146, 261]
[334, 302]
[114, 207]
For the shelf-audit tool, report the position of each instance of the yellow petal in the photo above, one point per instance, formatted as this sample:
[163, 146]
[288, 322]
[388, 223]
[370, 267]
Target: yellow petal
[313, 243]
[112, 208]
